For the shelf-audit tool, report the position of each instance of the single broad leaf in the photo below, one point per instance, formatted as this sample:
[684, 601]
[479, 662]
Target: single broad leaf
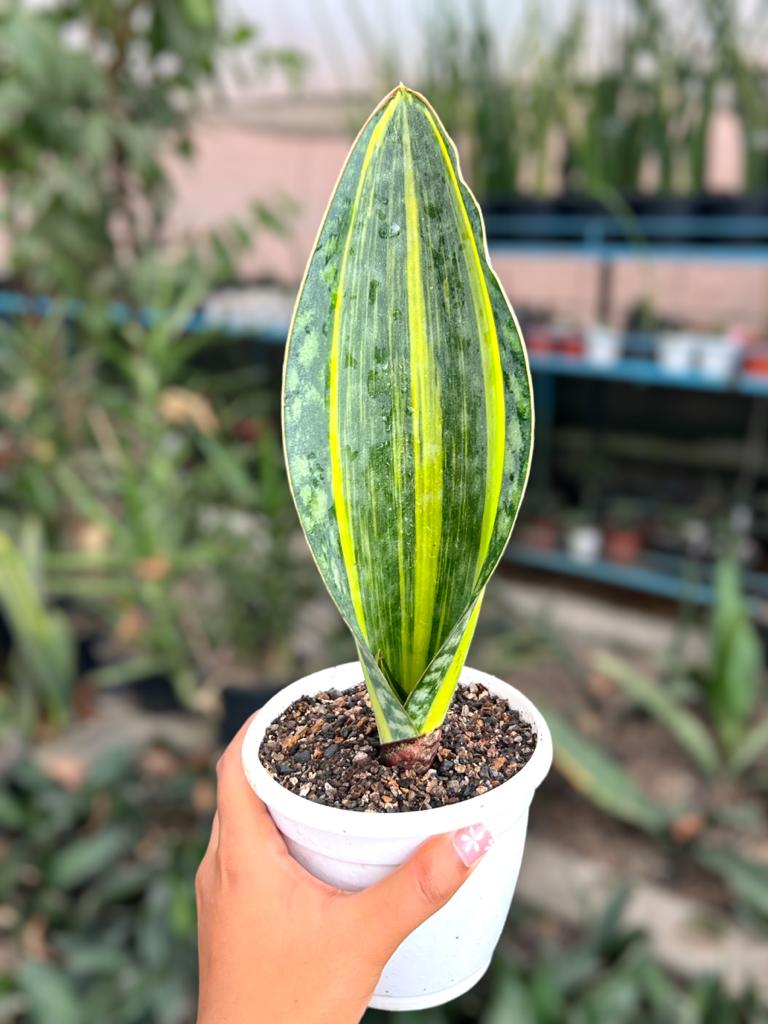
[753, 745]
[600, 778]
[684, 726]
[737, 659]
[747, 879]
[51, 995]
[12, 812]
[509, 1001]
[407, 411]
[85, 858]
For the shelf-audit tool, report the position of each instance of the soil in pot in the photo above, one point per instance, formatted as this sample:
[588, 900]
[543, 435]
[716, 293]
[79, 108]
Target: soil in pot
[325, 748]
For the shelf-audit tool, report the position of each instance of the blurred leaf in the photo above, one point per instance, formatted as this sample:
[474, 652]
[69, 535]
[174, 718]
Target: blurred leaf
[666, 709]
[12, 814]
[754, 744]
[509, 1002]
[607, 936]
[747, 879]
[87, 958]
[110, 769]
[51, 996]
[597, 776]
[130, 670]
[737, 658]
[85, 858]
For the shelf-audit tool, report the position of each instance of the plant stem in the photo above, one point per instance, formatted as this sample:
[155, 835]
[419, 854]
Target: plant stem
[418, 752]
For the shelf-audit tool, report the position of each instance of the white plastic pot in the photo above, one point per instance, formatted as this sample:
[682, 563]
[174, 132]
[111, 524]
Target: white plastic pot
[584, 543]
[603, 345]
[677, 352]
[451, 951]
[718, 357]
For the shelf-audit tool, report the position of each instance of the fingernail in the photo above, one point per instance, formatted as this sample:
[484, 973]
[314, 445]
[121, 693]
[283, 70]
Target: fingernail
[471, 843]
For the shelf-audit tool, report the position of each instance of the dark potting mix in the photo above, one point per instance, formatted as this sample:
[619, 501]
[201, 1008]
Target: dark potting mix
[325, 748]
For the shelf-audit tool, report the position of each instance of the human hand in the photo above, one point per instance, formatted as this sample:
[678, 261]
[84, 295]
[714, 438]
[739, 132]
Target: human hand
[280, 947]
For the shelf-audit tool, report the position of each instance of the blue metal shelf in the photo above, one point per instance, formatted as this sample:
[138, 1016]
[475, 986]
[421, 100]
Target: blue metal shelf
[613, 252]
[14, 304]
[633, 371]
[647, 373]
[609, 237]
[666, 576]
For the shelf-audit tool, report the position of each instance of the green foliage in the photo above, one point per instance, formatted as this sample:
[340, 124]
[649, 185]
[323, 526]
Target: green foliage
[728, 740]
[746, 878]
[601, 778]
[733, 682]
[731, 738]
[658, 700]
[117, 921]
[606, 974]
[147, 451]
[640, 111]
[92, 99]
[42, 663]
[103, 873]
[506, 105]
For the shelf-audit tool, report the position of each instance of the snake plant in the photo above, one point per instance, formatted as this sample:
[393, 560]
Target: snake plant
[407, 416]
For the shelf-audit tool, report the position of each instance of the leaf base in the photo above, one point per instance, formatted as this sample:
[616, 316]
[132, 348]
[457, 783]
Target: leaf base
[418, 753]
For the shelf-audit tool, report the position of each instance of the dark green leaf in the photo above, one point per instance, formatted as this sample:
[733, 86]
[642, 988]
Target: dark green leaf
[87, 857]
[596, 775]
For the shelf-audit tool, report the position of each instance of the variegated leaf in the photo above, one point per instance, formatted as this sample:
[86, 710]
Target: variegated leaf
[407, 411]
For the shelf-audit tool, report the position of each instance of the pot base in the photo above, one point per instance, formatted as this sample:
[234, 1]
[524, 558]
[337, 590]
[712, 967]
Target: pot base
[395, 1004]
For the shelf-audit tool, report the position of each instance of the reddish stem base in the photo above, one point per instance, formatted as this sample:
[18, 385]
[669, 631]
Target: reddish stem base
[418, 753]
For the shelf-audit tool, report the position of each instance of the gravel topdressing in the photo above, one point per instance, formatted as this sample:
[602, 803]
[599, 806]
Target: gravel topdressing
[325, 748]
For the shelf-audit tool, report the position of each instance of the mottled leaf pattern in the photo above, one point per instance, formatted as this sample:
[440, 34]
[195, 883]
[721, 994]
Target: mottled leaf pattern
[407, 411]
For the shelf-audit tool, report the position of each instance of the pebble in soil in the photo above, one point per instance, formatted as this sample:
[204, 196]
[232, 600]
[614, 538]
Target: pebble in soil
[325, 748]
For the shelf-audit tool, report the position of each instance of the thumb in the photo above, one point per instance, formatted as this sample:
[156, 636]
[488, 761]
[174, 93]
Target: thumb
[413, 892]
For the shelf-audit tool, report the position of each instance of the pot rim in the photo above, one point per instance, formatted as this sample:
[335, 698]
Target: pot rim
[517, 791]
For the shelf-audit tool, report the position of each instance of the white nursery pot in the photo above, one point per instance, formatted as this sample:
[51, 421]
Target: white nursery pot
[584, 543]
[718, 357]
[351, 850]
[603, 345]
[677, 352]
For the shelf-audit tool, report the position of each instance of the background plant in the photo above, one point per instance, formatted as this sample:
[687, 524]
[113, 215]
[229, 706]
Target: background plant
[124, 432]
[544, 109]
[41, 668]
[96, 885]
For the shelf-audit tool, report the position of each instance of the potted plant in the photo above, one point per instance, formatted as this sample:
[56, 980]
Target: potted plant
[540, 529]
[583, 537]
[408, 426]
[603, 345]
[676, 352]
[624, 539]
[719, 356]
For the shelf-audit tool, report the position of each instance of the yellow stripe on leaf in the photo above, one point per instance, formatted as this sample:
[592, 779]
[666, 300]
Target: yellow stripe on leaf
[427, 435]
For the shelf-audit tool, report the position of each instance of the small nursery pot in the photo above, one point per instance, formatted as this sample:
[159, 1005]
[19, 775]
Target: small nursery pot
[451, 951]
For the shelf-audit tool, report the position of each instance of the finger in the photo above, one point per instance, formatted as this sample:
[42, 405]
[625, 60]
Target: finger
[411, 894]
[244, 821]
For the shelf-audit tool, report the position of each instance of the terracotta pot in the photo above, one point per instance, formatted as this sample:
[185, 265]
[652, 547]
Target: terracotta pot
[623, 545]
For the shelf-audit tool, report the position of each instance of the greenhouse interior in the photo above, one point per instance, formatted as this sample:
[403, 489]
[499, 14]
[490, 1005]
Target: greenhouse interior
[195, 514]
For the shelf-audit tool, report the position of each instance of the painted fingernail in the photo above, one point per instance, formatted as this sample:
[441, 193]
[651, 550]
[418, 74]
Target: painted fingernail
[471, 843]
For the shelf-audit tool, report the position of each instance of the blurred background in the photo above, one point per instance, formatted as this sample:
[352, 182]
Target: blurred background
[163, 170]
